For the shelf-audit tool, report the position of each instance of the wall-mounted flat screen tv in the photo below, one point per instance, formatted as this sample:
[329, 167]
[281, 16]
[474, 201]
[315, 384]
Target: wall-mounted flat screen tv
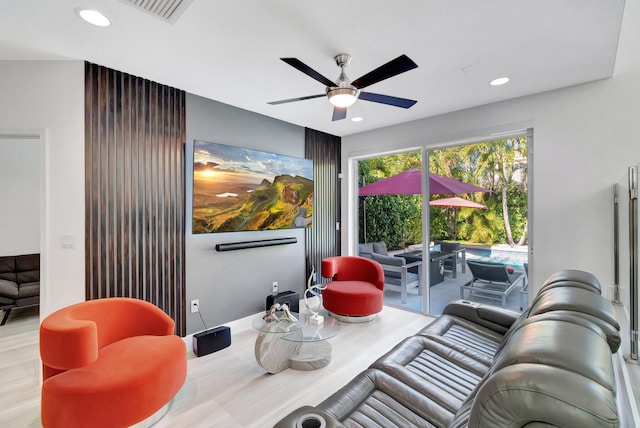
[237, 189]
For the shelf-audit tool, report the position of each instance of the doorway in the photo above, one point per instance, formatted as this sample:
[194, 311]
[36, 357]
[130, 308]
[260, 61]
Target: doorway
[485, 235]
[21, 188]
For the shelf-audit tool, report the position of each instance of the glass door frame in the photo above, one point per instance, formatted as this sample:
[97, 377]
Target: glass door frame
[353, 205]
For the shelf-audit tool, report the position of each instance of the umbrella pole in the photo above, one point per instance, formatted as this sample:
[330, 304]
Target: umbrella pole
[364, 213]
[452, 220]
[455, 232]
[364, 221]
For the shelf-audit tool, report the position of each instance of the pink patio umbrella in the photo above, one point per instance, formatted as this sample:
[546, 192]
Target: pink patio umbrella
[409, 183]
[456, 203]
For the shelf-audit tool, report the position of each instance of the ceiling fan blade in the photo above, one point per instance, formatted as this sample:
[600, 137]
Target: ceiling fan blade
[387, 99]
[339, 113]
[392, 68]
[290, 100]
[297, 64]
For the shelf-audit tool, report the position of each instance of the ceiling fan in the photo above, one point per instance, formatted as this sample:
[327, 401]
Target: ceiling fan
[342, 94]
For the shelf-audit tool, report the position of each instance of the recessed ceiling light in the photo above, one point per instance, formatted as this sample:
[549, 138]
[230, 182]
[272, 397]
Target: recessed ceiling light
[499, 81]
[94, 17]
[356, 119]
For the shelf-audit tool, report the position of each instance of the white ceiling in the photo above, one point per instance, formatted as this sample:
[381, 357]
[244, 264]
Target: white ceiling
[229, 50]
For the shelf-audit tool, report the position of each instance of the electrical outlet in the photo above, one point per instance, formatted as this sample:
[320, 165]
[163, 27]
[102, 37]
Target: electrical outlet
[274, 288]
[195, 306]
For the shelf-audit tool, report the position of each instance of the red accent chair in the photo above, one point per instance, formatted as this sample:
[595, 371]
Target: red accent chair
[109, 363]
[357, 286]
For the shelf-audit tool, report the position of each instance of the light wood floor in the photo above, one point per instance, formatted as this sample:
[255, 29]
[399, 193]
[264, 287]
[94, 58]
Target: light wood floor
[20, 370]
[224, 389]
[228, 388]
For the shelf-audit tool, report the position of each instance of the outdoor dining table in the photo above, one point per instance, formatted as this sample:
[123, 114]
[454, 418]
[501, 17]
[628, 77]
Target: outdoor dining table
[416, 255]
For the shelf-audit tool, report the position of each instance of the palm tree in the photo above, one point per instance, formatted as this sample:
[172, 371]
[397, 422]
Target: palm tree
[497, 163]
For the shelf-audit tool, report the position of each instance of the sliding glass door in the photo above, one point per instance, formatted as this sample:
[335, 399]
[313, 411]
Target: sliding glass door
[390, 224]
[438, 230]
[479, 227]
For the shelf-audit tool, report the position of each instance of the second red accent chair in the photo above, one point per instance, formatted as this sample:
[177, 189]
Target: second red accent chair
[109, 363]
[356, 289]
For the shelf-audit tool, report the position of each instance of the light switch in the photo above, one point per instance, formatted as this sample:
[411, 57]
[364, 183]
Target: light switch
[68, 241]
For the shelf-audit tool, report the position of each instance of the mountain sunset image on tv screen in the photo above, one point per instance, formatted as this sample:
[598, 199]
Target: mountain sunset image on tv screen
[237, 189]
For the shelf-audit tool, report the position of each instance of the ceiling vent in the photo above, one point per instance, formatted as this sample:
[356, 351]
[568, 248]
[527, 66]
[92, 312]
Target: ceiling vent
[167, 10]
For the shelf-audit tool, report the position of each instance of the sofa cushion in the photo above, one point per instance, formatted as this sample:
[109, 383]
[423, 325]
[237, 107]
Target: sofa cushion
[28, 268]
[561, 344]
[523, 394]
[391, 261]
[29, 289]
[537, 374]
[8, 289]
[365, 250]
[375, 399]
[465, 334]
[388, 260]
[352, 298]
[435, 369]
[567, 276]
[380, 248]
[8, 268]
[583, 303]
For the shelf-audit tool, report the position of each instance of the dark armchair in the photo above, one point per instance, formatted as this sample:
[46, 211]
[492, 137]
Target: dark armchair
[19, 282]
[458, 256]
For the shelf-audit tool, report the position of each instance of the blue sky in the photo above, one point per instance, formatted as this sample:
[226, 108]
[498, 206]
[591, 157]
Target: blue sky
[254, 163]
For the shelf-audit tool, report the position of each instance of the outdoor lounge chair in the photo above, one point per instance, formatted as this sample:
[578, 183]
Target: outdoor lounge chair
[490, 280]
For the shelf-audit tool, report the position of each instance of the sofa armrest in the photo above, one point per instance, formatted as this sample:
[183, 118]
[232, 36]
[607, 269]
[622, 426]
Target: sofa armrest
[67, 343]
[311, 415]
[491, 317]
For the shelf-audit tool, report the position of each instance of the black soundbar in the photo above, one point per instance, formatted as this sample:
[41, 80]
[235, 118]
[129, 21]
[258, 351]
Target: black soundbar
[231, 246]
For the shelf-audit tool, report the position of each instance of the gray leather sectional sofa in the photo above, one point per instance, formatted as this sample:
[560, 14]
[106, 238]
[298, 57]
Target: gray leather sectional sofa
[482, 366]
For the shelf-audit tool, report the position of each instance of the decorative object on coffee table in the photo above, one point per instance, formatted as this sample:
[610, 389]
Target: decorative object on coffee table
[314, 313]
[286, 314]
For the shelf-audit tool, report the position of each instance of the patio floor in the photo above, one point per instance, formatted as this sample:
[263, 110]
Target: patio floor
[449, 290]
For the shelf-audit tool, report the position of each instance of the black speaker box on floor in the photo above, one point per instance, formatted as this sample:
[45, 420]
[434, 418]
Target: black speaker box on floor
[211, 340]
[290, 298]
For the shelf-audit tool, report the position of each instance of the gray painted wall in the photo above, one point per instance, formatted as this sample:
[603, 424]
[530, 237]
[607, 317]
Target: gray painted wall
[234, 284]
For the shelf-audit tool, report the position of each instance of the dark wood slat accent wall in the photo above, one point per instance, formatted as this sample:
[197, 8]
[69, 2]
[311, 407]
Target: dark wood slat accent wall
[134, 173]
[323, 239]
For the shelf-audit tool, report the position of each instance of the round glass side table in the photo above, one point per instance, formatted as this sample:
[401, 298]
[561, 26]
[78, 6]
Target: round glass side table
[301, 346]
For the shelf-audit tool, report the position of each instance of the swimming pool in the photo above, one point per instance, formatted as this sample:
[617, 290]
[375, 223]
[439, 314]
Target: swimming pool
[513, 259]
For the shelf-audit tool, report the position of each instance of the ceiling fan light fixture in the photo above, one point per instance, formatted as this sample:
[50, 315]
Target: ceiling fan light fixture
[342, 97]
